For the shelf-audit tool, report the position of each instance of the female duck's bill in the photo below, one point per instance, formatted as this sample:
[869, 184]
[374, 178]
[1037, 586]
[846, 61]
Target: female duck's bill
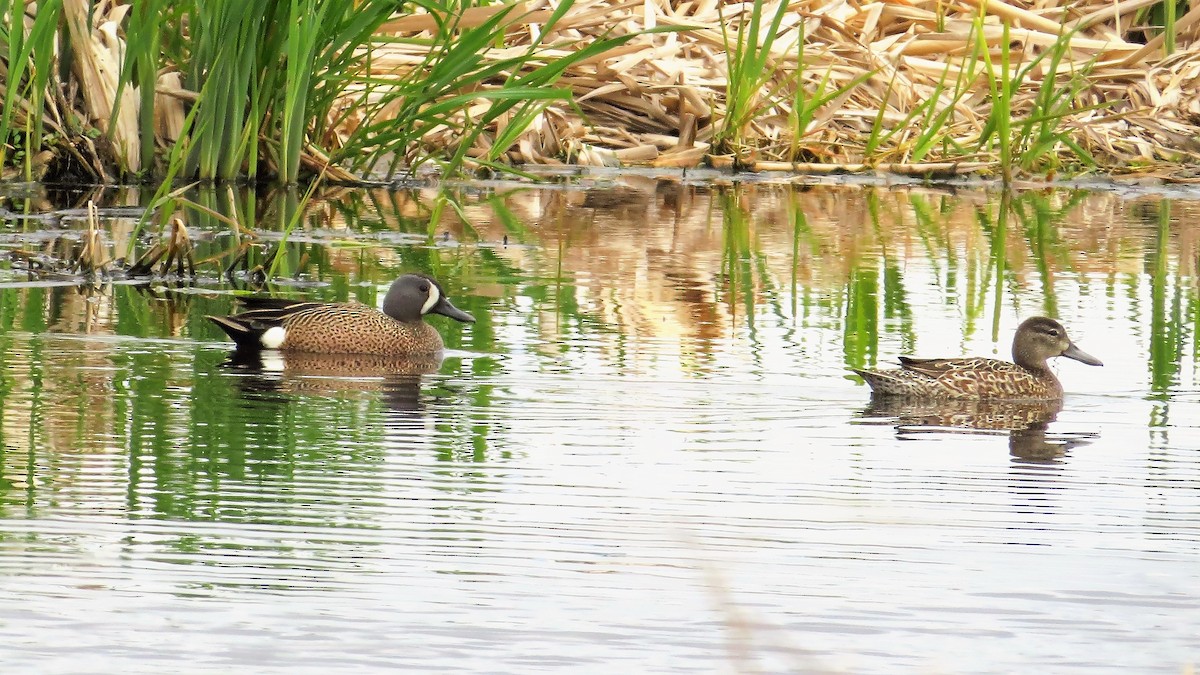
[1081, 356]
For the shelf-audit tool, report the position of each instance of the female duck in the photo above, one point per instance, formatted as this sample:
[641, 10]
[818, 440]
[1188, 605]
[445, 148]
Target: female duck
[1028, 378]
[346, 327]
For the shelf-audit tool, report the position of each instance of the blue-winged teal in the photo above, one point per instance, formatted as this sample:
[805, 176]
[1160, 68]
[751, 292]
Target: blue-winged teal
[346, 327]
[1028, 378]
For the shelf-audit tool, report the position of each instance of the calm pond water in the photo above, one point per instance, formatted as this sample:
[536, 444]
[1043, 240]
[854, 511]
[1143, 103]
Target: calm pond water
[646, 455]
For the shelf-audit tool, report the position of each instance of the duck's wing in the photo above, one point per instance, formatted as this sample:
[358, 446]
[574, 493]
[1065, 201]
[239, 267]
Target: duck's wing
[981, 378]
[246, 328]
[285, 306]
[267, 312]
[938, 368]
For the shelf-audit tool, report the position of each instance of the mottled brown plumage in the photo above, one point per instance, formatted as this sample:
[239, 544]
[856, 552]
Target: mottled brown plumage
[1028, 378]
[346, 327]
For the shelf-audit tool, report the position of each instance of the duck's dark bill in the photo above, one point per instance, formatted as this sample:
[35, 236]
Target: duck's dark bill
[1078, 354]
[446, 309]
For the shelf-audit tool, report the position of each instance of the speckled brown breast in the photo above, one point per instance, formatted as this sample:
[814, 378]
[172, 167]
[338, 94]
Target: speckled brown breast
[348, 328]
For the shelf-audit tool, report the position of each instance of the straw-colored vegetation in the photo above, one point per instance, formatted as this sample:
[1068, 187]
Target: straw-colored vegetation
[226, 89]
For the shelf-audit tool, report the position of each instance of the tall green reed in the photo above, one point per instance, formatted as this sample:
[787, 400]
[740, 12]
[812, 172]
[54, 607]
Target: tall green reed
[802, 117]
[268, 74]
[439, 93]
[749, 72]
[29, 63]
[1033, 141]
[326, 53]
[932, 117]
[1169, 11]
[276, 80]
[144, 43]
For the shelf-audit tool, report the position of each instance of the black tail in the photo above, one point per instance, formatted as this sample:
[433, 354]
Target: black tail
[245, 335]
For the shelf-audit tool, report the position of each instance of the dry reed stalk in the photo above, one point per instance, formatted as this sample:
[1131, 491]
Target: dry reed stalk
[98, 66]
[471, 18]
[169, 111]
[175, 251]
[92, 259]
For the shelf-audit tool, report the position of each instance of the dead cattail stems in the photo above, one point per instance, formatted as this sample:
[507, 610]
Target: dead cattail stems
[658, 87]
[901, 83]
[470, 18]
[169, 111]
[917, 169]
[681, 159]
[175, 251]
[687, 131]
[180, 251]
[98, 50]
[641, 153]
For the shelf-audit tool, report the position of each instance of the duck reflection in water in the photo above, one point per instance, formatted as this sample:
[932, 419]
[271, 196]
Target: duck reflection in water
[1025, 422]
[396, 379]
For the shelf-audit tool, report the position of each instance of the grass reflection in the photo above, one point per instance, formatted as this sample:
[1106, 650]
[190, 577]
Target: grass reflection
[739, 270]
[1167, 323]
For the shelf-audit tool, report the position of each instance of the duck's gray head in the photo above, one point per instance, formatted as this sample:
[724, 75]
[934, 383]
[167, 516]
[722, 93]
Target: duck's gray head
[412, 296]
[1040, 338]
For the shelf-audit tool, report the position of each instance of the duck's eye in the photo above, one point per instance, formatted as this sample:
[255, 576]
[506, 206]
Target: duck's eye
[424, 288]
[1053, 332]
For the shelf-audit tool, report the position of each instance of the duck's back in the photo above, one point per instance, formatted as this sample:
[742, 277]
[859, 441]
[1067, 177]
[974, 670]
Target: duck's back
[352, 328]
[974, 378]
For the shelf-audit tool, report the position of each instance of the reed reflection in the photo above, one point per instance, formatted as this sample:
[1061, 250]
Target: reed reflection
[593, 275]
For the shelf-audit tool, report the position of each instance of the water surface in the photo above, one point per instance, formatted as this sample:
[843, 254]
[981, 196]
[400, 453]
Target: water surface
[647, 453]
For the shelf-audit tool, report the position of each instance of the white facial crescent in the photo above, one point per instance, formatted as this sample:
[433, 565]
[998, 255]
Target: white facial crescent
[434, 296]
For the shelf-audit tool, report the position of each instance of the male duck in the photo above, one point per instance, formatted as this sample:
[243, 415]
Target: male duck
[1028, 378]
[346, 327]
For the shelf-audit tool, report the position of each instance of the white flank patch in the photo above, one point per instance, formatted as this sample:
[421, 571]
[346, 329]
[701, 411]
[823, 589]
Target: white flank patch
[273, 337]
[434, 296]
